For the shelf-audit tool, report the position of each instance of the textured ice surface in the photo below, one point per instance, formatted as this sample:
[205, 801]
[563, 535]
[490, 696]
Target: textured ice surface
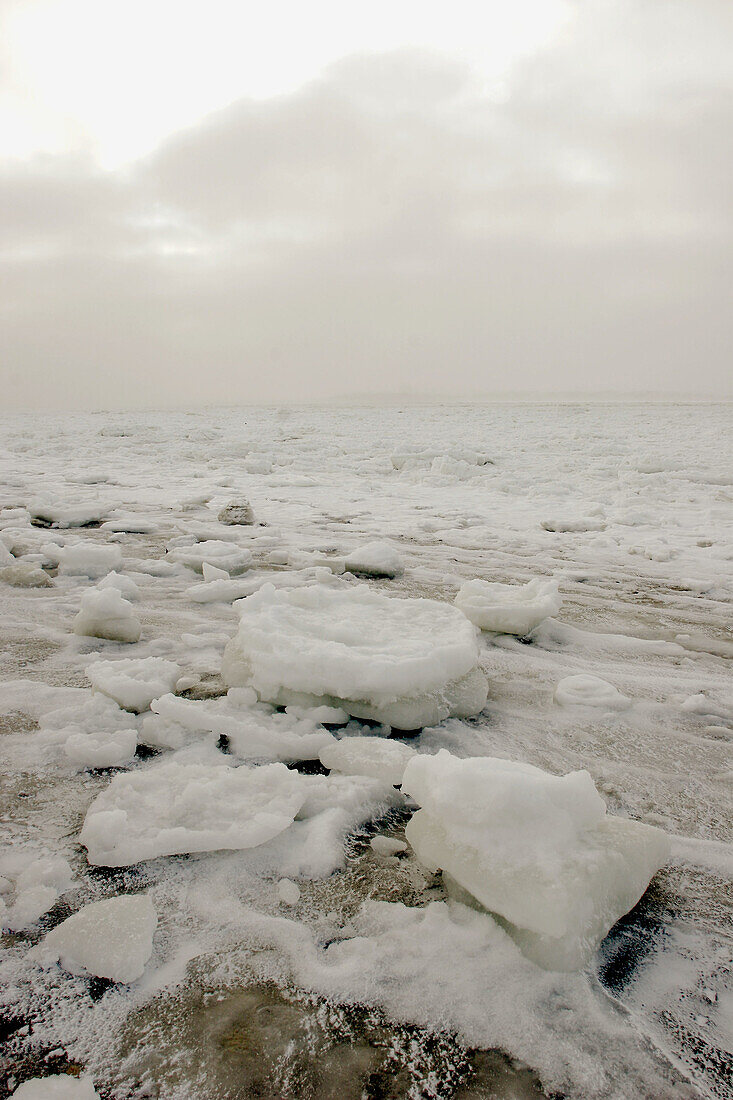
[380, 757]
[509, 608]
[408, 663]
[134, 683]
[105, 614]
[590, 691]
[535, 848]
[59, 1087]
[376, 559]
[169, 809]
[110, 939]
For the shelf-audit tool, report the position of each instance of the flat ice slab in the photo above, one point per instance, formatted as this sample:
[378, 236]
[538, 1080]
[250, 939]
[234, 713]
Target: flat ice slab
[59, 1087]
[538, 850]
[110, 939]
[408, 663]
[169, 809]
[509, 608]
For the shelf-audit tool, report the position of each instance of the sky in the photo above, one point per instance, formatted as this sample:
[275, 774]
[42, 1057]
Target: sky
[222, 202]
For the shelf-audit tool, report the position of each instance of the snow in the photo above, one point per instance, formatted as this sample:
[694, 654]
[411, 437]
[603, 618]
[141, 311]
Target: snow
[88, 560]
[590, 691]
[509, 608]
[376, 559]
[169, 809]
[110, 939]
[378, 757]
[105, 614]
[59, 1087]
[406, 662]
[535, 848]
[134, 683]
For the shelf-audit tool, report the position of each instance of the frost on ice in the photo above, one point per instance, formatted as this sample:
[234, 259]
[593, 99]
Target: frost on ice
[105, 614]
[110, 939]
[133, 684]
[170, 809]
[407, 663]
[509, 608]
[538, 850]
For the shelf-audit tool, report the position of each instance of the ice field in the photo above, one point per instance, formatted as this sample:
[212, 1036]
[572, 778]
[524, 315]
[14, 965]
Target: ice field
[413, 781]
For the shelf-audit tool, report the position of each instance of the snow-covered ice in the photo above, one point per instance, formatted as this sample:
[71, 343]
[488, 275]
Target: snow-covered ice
[535, 848]
[405, 662]
[110, 939]
[509, 608]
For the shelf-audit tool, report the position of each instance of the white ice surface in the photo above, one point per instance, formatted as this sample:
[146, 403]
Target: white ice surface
[88, 559]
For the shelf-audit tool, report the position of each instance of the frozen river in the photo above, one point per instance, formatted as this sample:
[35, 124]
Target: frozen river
[629, 507]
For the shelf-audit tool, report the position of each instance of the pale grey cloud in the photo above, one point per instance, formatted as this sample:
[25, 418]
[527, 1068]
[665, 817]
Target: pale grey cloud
[393, 225]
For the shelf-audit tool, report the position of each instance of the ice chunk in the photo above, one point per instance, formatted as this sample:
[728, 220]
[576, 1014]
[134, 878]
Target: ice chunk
[387, 845]
[376, 559]
[234, 559]
[379, 757]
[509, 608]
[237, 512]
[213, 573]
[58, 1087]
[170, 809]
[101, 750]
[134, 683]
[252, 734]
[105, 614]
[288, 891]
[89, 559]
[25, 574]
[590, 691]
[110, 939]
[124, 585]
[536, 849]
[407, 663]
[38, 882]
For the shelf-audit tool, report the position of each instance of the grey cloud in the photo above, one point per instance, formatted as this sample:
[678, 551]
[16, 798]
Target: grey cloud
[391, 225]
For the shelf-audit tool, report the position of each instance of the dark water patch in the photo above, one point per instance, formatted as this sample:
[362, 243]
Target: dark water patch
[634, 939]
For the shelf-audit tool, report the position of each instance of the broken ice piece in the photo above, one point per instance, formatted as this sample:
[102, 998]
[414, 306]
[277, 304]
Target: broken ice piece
[538, 850]
[509, 608]
[110, 939]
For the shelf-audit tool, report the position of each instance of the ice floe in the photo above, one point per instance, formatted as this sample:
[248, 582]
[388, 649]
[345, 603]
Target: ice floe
[380, 757]
[88, 559]
[234, 559]
[509, 608]
[537, 849]
[405, 662]
[376, 559]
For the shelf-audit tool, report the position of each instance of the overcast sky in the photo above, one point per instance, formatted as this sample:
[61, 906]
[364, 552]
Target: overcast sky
[224, 202]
